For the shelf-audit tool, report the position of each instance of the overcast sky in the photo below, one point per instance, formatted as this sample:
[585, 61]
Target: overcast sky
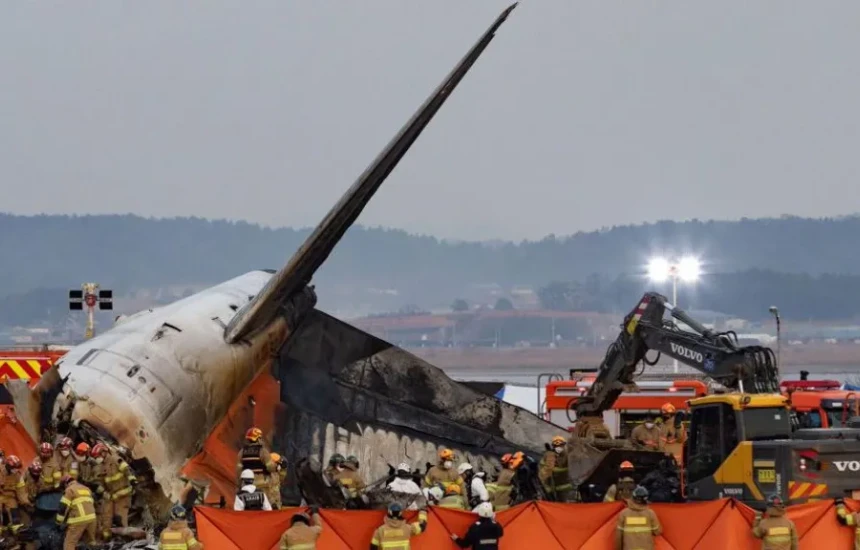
[579, 114]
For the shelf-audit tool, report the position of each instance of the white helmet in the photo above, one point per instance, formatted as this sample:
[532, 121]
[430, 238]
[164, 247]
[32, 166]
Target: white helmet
[463, 468]
[485, 510]
[247, 474]
[436, 492]
[403, 467]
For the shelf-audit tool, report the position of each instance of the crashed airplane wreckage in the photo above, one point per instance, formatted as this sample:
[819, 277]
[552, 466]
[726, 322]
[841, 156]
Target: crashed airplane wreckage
[174, 388]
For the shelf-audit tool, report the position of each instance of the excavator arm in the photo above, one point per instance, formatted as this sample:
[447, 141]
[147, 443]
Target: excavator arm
[750, 369]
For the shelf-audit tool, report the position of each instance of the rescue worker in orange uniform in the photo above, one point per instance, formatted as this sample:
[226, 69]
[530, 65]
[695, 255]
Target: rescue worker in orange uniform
[623, 489]
[303, 532]
[13, 495]
[77, 513]
[647, 435]
[51, 475]
[276, 479]
[65, 460]
[637, 524]
[776, 531]
[116, 487]
[395, 533]
[443, 472]
[177, 535]
[673, 434]
[553, 473]
[849, 519]
[255, 456]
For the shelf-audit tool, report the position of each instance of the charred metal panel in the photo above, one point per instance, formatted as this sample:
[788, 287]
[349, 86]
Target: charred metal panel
[347, 391]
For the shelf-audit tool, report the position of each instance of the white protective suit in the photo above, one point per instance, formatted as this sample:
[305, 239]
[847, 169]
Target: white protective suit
[406, 486]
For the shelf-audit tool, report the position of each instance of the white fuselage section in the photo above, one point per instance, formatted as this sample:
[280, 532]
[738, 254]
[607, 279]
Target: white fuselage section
[161, 380]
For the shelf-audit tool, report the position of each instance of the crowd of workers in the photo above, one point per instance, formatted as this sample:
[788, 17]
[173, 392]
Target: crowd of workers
[96, 487]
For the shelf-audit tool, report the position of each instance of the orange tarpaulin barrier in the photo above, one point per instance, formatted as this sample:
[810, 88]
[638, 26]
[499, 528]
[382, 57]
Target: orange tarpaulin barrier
[14, 439]
[217, 461]
[544, 525]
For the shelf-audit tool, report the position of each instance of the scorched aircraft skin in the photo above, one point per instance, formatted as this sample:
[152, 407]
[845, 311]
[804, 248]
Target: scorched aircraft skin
[159, 381]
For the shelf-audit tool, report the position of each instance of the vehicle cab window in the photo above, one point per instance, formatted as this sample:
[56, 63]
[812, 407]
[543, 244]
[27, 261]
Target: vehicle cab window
[713, 438]
[809, 419]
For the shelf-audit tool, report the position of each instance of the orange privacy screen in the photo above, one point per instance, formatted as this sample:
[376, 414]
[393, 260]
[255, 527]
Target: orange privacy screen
[721, 524]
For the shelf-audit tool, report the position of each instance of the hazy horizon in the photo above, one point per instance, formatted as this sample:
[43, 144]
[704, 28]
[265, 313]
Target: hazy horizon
[578, 116]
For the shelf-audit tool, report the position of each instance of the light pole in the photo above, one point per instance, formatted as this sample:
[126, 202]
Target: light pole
[775, 312]
[686, 270]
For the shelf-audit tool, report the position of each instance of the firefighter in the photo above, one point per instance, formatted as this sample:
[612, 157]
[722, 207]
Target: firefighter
[553, 471]
[64, 456]
[647, 435]
[673, 435]
[637, 524]
[395, 533]
[501, 489]
[249, 497]
[77, 513]
[622, 489]
[256, 457]
[82, 466]
[350, 479]
[177, 535]
[776, 531]
[31, 480]
[276, 479]
[849, 519]
[403, 483]
[334, 470]
[303, 532]
[485, 533]
[444, 471]
[50, 469]
[116, 486]
[13, 496]
[453, 498]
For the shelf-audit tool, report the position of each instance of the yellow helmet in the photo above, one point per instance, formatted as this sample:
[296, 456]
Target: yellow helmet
[453, 489]
[275, 457]
[446, 454]
[558, 441]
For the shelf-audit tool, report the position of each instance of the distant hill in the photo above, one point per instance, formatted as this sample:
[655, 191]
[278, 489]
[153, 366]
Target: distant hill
[126, 253]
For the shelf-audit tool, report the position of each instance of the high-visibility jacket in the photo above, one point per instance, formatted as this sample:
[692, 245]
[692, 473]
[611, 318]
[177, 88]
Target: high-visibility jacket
[623, 490]
[454, 502]
[845, 517]
[13, 491]
[395, 534]
[76, 506]
[552, 472]
[255, 457]
[351, 481]
[64, 463]
[446, 477]
[643, 438]
[178, 536]
[51, 475]
[118, 478]
[636, 528]
[301, 536]
[776, 531]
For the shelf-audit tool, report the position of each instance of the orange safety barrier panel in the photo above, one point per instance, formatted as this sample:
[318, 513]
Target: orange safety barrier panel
[14, 439]
[543, 525]
[217, 461]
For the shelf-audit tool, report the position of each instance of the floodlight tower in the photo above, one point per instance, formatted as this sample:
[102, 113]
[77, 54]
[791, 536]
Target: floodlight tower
[687, 269]
[90, 295]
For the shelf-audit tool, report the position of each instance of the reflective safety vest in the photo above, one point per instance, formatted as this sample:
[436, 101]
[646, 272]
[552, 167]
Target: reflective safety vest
[177, 536]
[76, 506]
[252, 501]
[637, 527]
[452, 501]
[118, 478]
[558, 481]
[300, 537]
[777, 532]
[395, 534]
[251, 458]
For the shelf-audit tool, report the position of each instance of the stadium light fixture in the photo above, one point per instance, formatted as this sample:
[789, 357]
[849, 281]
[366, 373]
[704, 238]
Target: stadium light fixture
[688, 270]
